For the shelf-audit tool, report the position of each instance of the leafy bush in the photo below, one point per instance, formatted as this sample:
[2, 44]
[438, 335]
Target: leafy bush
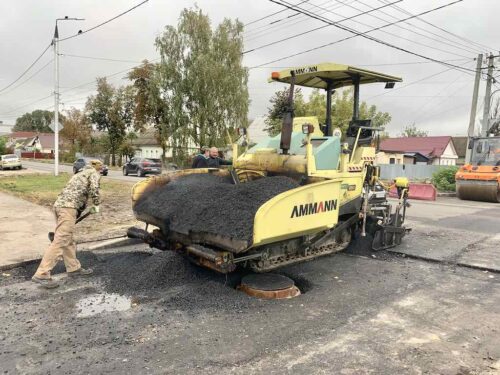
[444, 179]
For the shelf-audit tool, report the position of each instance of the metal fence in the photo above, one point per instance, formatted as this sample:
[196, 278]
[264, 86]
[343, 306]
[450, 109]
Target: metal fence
[412, 171]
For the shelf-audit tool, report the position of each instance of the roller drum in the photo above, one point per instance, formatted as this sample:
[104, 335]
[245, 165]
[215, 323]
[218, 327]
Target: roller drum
[486, 191]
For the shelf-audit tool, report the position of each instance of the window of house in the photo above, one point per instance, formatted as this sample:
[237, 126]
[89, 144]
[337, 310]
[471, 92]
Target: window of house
[392, 160]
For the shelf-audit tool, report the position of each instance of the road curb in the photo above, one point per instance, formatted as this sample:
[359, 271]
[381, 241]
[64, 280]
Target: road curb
[446, 194]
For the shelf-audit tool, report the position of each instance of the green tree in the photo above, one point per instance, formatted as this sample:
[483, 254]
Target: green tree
[36, 121]
[76, 128]
[413, 131]
[149, 105]
[127, 148]
[279, 104]
[111, 110]
[202, 80]
[342, 109]
[3, 145]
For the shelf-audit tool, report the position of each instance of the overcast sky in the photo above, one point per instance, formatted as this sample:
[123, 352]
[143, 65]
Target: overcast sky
[439, 104]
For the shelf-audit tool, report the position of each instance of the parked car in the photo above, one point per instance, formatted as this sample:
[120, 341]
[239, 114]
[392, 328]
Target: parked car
[82, 162]
[142, 167]
[10, 161]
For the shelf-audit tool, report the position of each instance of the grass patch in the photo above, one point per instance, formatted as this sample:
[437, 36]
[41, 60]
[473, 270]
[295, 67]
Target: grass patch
[43, 188]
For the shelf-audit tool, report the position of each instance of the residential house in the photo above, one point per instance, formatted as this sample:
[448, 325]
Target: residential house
[147, 145]
[417, 150]
[28, 142]
[44, 143]
[460, 144]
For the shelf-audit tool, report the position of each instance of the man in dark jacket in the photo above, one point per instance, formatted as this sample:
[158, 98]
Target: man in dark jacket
[214, 161]
[201, 160]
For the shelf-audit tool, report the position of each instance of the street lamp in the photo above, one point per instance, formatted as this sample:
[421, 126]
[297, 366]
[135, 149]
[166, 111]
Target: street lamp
[56, 91]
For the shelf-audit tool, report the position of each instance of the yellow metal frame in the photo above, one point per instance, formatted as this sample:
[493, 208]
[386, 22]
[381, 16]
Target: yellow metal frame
[339, 75]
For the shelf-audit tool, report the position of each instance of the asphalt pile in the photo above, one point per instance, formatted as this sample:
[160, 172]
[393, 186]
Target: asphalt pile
[212, 204]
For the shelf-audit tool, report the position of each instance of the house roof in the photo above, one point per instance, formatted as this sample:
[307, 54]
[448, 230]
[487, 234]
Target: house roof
[460, 144]
[428, 146]
[28, 134]
[46, 140]
[146, 138]
[415, 155]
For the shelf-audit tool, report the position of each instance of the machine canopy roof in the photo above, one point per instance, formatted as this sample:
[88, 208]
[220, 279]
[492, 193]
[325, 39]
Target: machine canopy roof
[339, 75]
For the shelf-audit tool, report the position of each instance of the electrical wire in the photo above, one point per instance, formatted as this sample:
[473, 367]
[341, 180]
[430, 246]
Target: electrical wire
[363, 34]
[366, 32]
[276, 25]
[465, 48]
[315, 29]
[442, 29]
[99, 58]
[270, 15]
[29, 78]
[411, 83]
[25, 105]
[105, 22]
[27, 69]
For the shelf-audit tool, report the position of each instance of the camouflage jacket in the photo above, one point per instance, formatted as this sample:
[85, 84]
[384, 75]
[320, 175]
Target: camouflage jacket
[79, 189]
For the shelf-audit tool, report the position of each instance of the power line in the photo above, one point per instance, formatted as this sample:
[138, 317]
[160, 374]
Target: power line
[284, 23]
[25, 105]
[420, 109]
[30, 77]
[99, 58]
[27, 69]
[463, 44]
[317, 28]
[411, 83]
[272, 14]
[104, 23]
[363, 34]
[466, 48]
[366, 32]
[107, 76]
[440, 28]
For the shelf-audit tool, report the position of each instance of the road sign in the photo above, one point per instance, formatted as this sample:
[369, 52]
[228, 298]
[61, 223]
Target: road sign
[52, 127]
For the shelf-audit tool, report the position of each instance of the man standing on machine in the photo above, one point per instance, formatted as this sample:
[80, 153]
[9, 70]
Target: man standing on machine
[69, 204]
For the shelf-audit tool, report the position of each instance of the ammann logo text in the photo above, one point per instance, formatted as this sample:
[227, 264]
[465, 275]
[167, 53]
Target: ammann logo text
[314, 208]
[309, 69]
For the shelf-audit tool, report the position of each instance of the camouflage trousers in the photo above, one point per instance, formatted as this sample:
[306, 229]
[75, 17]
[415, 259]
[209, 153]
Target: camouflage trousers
[63, 245]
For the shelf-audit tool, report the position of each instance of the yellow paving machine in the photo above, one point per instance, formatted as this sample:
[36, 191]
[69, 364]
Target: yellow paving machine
[328, 189]
[479, 180]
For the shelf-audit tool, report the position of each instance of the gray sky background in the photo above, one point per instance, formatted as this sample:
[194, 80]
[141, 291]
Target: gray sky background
[440, 105]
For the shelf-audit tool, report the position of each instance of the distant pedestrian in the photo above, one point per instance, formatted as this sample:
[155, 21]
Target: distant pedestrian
[201, 160]
[214, 161]
[69, 204]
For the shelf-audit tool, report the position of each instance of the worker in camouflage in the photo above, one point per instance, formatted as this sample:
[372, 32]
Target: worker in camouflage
[69, 205]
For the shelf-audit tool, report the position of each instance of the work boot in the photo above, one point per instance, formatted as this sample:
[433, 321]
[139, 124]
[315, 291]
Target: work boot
[46, 283]
[80, 272]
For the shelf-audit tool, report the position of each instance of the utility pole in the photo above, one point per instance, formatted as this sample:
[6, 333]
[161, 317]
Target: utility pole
[55, 43]
[487, 97]
[473, 109]
[56, 100]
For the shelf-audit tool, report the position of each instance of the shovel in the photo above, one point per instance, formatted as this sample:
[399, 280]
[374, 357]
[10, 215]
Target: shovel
[80, 218]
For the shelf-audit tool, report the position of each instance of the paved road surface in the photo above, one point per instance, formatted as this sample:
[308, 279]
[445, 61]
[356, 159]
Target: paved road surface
[359, 312]
[46, 167]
